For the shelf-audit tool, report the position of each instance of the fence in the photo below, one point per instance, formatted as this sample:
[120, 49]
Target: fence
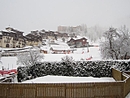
[117, 75]
[122, 76]
[69, 90]
[117, 89]
[126, 79]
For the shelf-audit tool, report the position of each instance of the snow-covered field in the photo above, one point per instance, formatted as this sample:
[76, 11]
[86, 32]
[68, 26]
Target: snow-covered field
[11, 62]
[79, 54]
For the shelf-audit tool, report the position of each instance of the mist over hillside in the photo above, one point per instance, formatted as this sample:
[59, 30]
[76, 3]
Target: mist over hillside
[93, 33]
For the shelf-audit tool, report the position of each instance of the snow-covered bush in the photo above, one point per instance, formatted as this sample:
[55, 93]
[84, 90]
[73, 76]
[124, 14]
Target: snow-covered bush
[23, 73]
[75, 68]
[78, 68]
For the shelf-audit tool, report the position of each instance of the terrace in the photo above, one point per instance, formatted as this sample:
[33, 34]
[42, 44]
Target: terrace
[115, 89]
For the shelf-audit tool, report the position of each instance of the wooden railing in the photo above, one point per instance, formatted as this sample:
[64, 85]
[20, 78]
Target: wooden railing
[116, 74]
[126, 79]
[64, 90]
[122, 76]
[117, 89]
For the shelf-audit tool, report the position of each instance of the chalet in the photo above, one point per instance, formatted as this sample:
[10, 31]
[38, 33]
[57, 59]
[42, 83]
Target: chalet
[33, 39]
[50, 35]
[60, 49]
[11, 38]
[75, 42]
[44, 49]
[44, 35]
[53, 35]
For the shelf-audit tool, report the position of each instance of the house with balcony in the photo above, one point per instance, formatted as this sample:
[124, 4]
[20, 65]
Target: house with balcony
[33, 39]
[78, 42]
[11, 38]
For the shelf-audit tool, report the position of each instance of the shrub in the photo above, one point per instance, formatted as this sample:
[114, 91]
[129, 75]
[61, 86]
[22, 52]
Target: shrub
[78, 68]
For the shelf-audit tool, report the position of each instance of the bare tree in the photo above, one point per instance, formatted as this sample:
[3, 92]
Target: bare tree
[30, 58]
[116, 44]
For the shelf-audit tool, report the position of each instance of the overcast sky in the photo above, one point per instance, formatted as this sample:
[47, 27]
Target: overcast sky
[27, 15]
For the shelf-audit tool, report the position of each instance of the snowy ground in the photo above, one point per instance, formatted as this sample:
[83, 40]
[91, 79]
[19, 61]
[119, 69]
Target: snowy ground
[11, 62]
[67, 79]
[80, 53]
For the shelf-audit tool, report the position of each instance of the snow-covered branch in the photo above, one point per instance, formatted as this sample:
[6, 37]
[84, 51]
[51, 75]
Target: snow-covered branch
[29, 58]
[116, 44]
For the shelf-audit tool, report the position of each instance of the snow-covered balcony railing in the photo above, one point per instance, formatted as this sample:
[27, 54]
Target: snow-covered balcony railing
[126, 79]
[62, 90]
[122, 76]
[117, 89]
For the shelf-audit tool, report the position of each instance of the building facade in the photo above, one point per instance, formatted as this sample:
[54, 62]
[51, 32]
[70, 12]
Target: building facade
[76, 43]
[11, 38]
[33, 39]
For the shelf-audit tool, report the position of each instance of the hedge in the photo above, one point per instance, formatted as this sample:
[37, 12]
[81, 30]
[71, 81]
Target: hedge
[75, 68]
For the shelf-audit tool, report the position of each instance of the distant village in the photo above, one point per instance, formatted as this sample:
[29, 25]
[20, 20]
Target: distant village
[12, 39]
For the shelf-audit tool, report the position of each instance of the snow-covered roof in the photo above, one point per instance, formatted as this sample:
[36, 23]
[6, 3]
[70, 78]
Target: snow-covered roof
[44, 48]
[13, 28]
[0, 33]
[80, 37]
[8, 31]
[5, 31]
[60, 47]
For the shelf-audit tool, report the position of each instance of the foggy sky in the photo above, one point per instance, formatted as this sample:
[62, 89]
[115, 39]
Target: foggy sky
[27, 15]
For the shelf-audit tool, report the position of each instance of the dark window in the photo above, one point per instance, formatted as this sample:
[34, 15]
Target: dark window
[7, 45]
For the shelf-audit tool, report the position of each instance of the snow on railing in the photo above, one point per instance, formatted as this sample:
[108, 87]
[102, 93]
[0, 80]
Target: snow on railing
[3, 72]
